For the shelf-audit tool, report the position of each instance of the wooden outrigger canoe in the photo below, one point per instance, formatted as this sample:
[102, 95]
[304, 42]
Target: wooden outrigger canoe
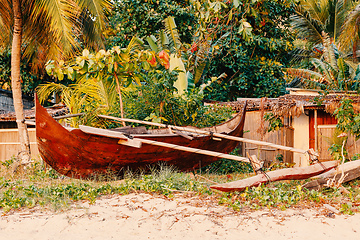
[85, 153]
[296, 173]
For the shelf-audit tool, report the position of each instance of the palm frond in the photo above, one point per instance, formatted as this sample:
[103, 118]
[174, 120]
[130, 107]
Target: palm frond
[351, 29]
[6, 22]
[45, 90]
[52, 19]
[340, 11]
[306, 26]
[318, 9]
[171, 31]
[97, 10]
[305, 78]
[92, 20]
[352, 68]
[304, 74]
[135, 43]
[329, 51]
[299, 54]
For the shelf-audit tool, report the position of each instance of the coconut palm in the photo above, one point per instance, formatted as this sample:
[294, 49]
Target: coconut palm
[46, 29]
[350, 34]
[340, 19]
[316, 16]
[330, 72]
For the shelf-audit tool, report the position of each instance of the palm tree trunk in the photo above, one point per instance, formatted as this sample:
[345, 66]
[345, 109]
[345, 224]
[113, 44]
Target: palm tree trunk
[24, 154]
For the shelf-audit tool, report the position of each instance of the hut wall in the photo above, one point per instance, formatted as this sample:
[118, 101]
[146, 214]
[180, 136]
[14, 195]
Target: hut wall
[284, 137]
[9, 143]
[353, 147]
[327, 135]
[301, 139]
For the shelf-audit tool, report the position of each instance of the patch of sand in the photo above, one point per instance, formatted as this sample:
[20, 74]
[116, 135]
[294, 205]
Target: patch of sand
[143, 216]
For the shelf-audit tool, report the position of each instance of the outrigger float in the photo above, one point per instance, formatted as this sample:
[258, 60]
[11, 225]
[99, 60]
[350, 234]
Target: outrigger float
[85, 152]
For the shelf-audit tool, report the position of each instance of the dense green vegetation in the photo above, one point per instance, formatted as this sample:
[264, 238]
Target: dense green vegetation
[328, 37]
[44, 187]
[251, 40]
[144, 18]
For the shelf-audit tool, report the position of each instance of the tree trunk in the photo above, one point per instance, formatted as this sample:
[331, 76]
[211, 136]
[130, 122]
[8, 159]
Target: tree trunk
[24, 154]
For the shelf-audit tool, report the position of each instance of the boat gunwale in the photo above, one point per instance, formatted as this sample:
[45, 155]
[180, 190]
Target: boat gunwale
[192, 134]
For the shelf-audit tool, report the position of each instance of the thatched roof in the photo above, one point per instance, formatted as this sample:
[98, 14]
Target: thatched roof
[294, 105]
[30, 114]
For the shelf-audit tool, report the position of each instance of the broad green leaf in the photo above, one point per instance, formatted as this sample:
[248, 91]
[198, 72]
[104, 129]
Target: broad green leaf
[49, 67]
[199, 71]
[59, 74]
[181, 83]
[117, 49]
[146, 65]
[164, 38]
[82, 63]
[152, 43]
[190, 80]
[101, 65]
[245, 29]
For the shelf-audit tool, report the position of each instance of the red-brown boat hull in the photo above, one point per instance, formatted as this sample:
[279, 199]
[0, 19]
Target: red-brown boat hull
[80, 155]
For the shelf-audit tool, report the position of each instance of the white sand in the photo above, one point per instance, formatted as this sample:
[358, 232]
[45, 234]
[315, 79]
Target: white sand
[143, 216]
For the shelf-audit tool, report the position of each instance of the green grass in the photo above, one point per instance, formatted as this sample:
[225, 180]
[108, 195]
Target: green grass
[43, 187]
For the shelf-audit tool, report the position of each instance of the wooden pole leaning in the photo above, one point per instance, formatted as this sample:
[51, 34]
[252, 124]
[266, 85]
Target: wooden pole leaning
[133, 142]
[199, 131]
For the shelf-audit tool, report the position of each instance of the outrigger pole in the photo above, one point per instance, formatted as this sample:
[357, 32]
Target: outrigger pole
[125, 140]
[219, 135]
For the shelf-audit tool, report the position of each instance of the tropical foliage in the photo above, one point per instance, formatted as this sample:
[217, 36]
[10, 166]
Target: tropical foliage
[348, 119]
[42, 29]
[99, 77]
[330, 72]
[145, 18]
[138, 78]
[55, 29]
[339, 19]
[156, 101]
[314, 17]
[248, 41]
[326, 27]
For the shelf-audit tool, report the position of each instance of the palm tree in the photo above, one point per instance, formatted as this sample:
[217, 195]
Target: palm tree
[350, 34]
[330, 72]
[316, 16]
[46, 29]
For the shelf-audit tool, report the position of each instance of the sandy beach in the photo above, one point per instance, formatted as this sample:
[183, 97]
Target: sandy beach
[144, 216]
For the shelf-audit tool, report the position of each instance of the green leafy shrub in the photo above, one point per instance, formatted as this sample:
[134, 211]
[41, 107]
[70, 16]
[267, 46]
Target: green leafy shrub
[144, 18]
[156, 98]
[348, 122]
[30, 79]
[226, 166]
[275, 122]
[250, 42]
